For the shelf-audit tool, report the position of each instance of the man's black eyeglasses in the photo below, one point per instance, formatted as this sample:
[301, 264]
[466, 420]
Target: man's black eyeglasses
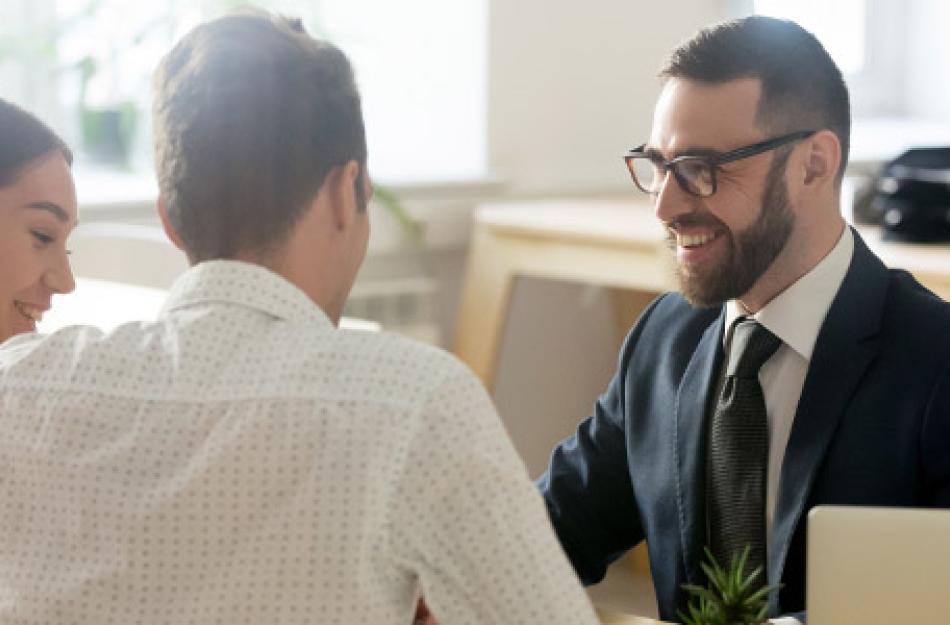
[695, 173]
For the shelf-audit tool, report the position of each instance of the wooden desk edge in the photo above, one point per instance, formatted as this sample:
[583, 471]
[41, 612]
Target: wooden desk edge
[608, 617]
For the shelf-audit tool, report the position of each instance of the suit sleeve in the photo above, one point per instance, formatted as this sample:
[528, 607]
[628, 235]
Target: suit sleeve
[587, 486]
[936, 443]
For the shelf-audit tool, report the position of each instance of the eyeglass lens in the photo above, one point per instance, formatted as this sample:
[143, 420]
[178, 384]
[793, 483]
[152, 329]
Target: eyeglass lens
[693, 174]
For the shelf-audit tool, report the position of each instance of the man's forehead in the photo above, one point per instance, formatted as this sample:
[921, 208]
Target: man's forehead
[695, 114]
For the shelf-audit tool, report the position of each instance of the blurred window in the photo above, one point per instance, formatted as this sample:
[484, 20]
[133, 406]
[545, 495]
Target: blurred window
[85, 67]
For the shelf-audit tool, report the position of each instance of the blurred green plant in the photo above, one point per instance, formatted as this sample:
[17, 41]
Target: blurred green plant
[733, 596]
[412, 227]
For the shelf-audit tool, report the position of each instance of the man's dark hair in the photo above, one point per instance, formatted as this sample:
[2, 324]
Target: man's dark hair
[802, 88]
[251, 115]
[23, 139]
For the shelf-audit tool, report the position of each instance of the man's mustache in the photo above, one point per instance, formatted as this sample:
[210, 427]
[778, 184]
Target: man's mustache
[692, 221]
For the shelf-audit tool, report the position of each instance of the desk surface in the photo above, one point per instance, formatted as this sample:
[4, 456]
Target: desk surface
[615, 618]
[611, 221]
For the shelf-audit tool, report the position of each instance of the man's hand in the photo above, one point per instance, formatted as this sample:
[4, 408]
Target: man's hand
[423, 616]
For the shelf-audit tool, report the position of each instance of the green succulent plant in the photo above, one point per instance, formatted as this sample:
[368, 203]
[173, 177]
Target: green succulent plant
[733, 596]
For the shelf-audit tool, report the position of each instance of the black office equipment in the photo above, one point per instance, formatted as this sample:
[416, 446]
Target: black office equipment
[912, 197]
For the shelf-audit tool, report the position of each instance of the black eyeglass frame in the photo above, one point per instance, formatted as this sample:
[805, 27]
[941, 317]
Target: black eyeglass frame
[713, 160]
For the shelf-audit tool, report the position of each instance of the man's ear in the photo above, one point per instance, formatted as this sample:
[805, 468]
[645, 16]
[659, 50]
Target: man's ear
[822, 158]
[167, 226]
[341, 187]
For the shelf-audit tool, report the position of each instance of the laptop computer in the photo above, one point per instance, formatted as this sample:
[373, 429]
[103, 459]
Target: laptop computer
[878, 566]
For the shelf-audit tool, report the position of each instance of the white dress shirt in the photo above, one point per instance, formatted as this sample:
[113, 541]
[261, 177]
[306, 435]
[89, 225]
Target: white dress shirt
[241, 460]
[795, 316]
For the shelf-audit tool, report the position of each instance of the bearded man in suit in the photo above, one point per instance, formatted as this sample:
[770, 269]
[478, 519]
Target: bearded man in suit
[792, 370]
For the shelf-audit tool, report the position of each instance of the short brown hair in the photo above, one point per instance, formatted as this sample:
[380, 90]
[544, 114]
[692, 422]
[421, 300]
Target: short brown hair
[23, 139]
[802, 88]
[251, 114]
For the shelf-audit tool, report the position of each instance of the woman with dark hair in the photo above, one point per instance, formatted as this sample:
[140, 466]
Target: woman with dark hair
[37, 213]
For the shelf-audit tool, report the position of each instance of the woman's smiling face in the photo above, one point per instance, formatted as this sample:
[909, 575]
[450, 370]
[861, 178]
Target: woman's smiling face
[37, 214]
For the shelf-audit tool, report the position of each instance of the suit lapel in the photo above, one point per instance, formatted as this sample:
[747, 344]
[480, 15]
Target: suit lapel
[846, 345]
[689, 444]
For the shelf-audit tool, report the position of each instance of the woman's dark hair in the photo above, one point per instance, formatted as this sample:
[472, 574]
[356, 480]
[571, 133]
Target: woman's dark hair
[23, 139]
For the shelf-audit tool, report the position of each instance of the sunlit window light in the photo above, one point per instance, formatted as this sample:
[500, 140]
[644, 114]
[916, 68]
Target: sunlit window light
[421, 66]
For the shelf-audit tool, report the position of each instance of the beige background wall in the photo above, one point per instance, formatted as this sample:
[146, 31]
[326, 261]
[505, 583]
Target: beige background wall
[572, 85]
[928, 60]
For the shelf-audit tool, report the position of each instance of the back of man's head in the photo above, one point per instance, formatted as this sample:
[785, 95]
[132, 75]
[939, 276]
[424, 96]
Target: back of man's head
[802, 88]
[251, 114]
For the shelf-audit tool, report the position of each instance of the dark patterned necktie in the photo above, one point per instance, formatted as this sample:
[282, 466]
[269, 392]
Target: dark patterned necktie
[739, 451]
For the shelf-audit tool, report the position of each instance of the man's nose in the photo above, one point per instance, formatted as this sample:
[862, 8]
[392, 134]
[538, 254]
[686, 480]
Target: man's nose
[671, 201]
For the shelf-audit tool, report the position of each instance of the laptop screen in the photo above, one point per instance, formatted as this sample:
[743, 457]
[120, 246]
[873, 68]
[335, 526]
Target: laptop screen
[878, 566]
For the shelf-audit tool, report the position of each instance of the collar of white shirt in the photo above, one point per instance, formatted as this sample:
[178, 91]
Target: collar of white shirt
[795, 315]
[243, 284]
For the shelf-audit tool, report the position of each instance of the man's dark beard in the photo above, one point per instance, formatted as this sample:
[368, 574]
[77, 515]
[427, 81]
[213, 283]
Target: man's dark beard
[751, 252]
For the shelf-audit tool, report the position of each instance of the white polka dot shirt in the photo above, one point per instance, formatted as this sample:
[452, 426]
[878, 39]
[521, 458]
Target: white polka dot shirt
[242, 461]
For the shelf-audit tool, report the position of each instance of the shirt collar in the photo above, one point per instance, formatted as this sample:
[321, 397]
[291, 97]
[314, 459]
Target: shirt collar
[244, 284]
[795, 315]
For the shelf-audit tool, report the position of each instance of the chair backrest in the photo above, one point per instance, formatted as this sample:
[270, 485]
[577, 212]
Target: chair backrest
[128, 253]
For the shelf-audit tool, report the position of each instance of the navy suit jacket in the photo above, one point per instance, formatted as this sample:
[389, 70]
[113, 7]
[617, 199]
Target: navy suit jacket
[872, 428]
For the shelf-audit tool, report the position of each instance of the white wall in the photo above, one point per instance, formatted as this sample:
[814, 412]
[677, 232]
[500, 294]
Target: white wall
[928, 60]
[572, 86]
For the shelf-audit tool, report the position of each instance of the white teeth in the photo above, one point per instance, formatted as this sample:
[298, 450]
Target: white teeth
[30, 312]
[685, 240]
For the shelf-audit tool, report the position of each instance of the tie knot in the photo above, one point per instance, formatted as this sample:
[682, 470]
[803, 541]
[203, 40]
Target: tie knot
[751, 346]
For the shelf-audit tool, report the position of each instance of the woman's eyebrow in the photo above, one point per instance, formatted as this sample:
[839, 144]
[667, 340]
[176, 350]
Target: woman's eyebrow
[50, 207]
